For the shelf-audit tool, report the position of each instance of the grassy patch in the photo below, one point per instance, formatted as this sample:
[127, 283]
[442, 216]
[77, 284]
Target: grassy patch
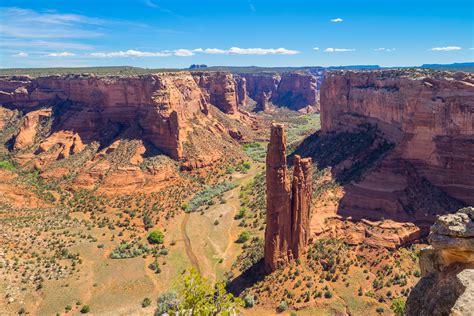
[207, 196]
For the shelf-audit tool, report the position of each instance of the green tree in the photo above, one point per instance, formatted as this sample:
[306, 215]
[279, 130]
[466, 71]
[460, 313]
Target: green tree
[398, 306]
[156, 237]
[243, 237]
[197, 297]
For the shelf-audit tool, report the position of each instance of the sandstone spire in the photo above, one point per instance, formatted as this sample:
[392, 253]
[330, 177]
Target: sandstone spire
[288, 205]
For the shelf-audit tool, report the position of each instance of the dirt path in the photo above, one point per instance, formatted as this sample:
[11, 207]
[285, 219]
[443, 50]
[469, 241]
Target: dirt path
[232, 202]
[187, 244]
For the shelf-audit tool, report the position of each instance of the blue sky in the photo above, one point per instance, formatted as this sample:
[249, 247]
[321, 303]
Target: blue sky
[175, 34]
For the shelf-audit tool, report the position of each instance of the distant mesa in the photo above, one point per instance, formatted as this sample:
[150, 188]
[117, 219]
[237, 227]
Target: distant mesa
[196, 66]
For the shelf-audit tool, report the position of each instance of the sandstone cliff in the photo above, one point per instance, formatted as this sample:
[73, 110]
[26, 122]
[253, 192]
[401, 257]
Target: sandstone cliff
[295, 90]
[156, 108]
[447, 268]
[429, 118]
[288, 204]
[219, 89]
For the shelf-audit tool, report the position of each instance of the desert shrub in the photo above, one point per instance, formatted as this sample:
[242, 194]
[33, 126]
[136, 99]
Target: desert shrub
[243, 237]
[156, 237]
[249, 301]
[398, 306]
[283, 306]
[129, 250]
[206, 196]
[85, 309]
[146, 302]
[167, 301]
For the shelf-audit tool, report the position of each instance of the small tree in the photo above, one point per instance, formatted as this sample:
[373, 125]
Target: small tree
[156, 237]
[243, 237]
[146, 302]
[85, 309]
[283, 306]
[398, 306]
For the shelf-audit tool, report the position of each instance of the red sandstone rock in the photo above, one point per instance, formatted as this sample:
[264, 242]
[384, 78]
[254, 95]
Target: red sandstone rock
[219, 89]
[288, 205]
[430, 119]
[294, 90]
[26, 135]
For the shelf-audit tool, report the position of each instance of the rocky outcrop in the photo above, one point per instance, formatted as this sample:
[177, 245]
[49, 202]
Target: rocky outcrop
[219, 89]
[161, 109]
[241, 84]
[295, 90]
[429, 118]
[447, 268]
[29, 128]
[288, 203]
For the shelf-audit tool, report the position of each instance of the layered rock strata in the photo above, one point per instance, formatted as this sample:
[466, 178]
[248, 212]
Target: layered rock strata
[295, 90]
[447, 268]
[288, 203]
[161, 109]
[219, 89]
[429, 119]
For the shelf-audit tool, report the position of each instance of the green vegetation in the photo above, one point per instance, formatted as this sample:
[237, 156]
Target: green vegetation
[156, 237]
[257, 151]
[196, 296]
[8, 165]
[243, 237]
[283, 306]
[85, 309]
[398, 306]
[206, 196]
[129, 250]
[146, 302]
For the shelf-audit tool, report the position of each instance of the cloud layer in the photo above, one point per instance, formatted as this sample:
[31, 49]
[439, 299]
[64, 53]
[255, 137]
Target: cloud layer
[191, 52]
[445, 49]
[63, 54]
[337, 20]
[338, 50]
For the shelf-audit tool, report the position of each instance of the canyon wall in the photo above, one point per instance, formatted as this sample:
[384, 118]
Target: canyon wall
[156, 108]
[288, 204]
[428, 117]
[447, 268]
[219, 89]
[295, 90]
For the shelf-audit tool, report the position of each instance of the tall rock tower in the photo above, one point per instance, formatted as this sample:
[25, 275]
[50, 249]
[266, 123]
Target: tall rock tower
[288, 203]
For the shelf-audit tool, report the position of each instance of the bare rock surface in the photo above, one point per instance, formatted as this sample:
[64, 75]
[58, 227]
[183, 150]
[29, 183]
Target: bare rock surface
[447, 267]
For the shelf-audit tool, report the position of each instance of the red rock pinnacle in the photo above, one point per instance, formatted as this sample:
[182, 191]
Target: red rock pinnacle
[288, 206]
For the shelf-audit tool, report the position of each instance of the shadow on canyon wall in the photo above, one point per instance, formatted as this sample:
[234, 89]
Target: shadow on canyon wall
[377, 185]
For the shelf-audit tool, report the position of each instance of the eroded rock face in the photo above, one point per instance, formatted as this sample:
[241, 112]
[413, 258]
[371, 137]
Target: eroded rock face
[219, 89]
[29, 128]
[429, 119]
[288, 203]
[447, 268]
[295, 90]
[156, 108]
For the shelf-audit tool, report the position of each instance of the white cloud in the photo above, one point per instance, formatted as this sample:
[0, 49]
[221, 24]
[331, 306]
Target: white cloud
[63, 54]
[337, 20]
[445, 49]
[338, 50]
[21, 54]
[316, 48]
[262, 51]
[191, 52]
[381, 49]
[183, 52]
[131, 53]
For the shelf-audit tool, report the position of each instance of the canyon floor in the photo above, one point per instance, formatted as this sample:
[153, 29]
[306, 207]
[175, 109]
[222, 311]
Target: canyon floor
[92, 248]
